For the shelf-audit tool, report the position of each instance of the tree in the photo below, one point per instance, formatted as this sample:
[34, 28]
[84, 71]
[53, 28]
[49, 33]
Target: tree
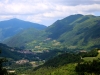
[3, 71]
[88, 67]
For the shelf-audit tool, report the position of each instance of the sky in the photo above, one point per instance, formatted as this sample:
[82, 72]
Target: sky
[46, 12]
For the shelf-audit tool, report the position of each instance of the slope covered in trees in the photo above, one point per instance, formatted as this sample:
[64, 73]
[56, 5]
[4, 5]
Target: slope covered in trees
[68, 64]
[75, 31]
[9, 28]
[10, 53]
[22, 39]
[61, 64]
[81, 31]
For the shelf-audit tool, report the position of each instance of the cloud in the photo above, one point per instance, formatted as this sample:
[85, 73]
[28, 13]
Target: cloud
[43, 11]
[4, 17]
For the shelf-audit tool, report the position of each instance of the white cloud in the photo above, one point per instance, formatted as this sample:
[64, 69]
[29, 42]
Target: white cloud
[5, 17]
[41, 11]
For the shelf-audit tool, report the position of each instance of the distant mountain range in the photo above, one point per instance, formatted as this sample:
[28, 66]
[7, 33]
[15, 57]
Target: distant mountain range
[9, 28]
[73, 32]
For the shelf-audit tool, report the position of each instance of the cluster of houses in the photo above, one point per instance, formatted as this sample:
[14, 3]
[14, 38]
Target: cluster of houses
[23, 61]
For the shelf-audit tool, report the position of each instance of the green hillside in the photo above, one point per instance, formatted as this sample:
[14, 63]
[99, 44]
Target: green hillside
[9, 28]
[22, 39]
[61, 64]
[68, 64]
[33, 39]
[68, 69]
[14, 54]
[8, 53]
[61, 26]
[63, 42]
[73, 32]
[91, 58]
[77, 30]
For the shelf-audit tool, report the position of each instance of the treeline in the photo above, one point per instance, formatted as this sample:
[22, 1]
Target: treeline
[14, 55]
[63, 64]
[62, 59]
[68, 64]
[66, 58]
[3, 71]
[88, 68]
[92, 53]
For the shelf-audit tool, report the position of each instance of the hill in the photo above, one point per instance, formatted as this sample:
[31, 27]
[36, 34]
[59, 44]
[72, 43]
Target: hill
[9, 28]
[73, 32]
[80, 31]
[61, 64]
[32, 39]
[15, 54]
[24, 37]
[68, 64]
[61, 26]
[8, 52]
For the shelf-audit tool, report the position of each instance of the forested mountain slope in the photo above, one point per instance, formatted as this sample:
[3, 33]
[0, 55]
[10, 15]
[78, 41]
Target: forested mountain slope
[81, 31]
[9, 28]
[75, 31]
[23, 38]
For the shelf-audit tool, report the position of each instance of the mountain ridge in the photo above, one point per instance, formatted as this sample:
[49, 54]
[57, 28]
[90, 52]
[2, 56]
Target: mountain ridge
[11, 27]
[78, 31]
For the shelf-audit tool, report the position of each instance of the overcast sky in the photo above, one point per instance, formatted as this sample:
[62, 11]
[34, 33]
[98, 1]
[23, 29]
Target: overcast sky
[46, 11]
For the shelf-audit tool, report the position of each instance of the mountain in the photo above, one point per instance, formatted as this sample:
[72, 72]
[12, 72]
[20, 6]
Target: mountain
[11, 27]
[32, 39]
[61, 26]
[73, 32]
[24, 37]
[80, 31]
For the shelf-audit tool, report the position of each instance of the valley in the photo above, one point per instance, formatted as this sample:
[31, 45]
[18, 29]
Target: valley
[61, 48]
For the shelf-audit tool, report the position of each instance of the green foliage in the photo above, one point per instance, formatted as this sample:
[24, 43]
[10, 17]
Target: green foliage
[21, 40]
[91, 58]
[63, 64]
[62, 59]
[62, 26]
[91, 53]
[14, 55]
[11, 27]
[90, 64]
[3, 71]
[49, 54]
[83, 33]
[85, 68]
[66, 64]
[75, 30]
[68, 69]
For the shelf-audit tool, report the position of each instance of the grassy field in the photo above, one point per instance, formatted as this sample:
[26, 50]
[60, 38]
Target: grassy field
[91, 58]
